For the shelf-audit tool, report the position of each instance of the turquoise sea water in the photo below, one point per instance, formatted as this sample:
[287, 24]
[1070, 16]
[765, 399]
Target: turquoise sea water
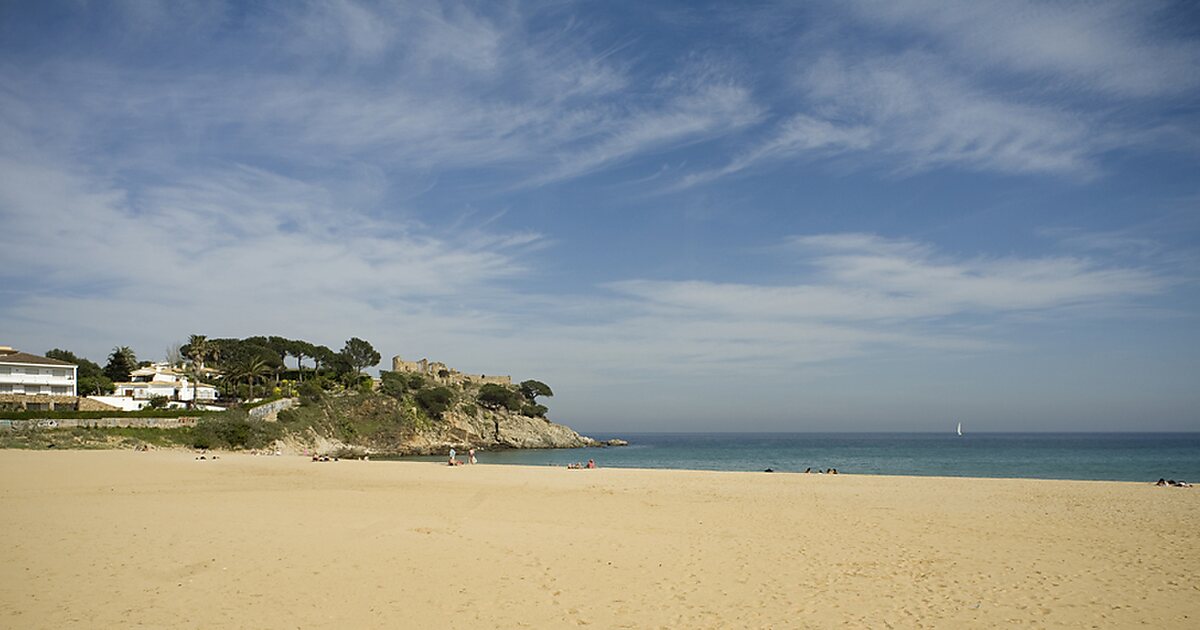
[1105, 456]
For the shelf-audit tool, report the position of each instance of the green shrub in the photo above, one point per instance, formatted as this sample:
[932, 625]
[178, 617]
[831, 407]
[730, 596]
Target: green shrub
[311, 391]
[435, 401]
[393, 384]
[235, 433]
[534, 410]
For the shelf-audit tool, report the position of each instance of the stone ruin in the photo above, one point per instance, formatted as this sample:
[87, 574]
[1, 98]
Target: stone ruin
[440, 373]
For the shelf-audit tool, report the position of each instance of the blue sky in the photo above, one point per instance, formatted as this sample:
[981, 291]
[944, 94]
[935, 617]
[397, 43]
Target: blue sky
[763, 216]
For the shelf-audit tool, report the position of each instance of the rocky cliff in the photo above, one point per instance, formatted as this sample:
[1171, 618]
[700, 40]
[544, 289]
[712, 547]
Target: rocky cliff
[376, 423]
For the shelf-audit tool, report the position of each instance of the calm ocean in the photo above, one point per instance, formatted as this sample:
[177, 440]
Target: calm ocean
[1106, 456]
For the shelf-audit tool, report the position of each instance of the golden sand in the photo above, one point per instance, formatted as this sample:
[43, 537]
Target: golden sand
[121, 539]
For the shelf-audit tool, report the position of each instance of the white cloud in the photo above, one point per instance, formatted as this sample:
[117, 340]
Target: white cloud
[800, 136]
[1123, 48]
[867, 294]
[231, 250]
[990, 86]
[708, 111]
[910, 114]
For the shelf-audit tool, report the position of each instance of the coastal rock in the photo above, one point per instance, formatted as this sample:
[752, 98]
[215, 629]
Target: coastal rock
[380, 424]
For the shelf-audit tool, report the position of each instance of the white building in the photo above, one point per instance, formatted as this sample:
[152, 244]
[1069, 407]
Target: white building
[31, 381]
[162, 380]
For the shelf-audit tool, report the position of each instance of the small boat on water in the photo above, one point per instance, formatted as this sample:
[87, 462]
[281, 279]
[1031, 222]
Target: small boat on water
[959, 429]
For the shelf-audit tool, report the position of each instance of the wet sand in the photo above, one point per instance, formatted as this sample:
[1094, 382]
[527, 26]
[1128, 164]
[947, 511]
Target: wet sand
[159, 539]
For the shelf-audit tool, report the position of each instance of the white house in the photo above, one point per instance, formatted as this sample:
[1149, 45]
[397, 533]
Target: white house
[163, 380]
[31, 381]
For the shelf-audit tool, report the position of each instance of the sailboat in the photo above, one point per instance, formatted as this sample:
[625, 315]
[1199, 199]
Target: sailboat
[959, 429]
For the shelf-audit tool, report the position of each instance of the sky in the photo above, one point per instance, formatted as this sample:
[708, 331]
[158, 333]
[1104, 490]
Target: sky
[682, 216]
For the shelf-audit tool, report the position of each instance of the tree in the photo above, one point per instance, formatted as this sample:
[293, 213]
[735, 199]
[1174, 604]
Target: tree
[174, 355]
[282, 347]
[323, 356]
[251, 368]
[435, 401]
[121, 362]
[359, 354]
[198, 349]
[532, 389]
[495, 396]
[300, 349]
[90, 378]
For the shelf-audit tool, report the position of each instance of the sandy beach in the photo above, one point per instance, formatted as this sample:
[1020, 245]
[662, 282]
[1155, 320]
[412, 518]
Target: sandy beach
[159, 539]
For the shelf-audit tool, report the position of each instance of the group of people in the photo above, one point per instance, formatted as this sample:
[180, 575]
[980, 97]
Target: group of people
[454, 461]
[591, 463]
[1173, 483]
[831, 471]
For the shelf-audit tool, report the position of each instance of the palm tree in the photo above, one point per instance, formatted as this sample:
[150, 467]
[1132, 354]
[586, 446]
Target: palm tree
[198, 350]
[252, 369]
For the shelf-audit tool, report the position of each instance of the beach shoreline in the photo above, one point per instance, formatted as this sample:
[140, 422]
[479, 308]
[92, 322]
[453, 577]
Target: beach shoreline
[120, 538]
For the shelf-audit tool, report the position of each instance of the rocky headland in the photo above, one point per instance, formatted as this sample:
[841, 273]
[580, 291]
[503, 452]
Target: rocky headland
[378, 423]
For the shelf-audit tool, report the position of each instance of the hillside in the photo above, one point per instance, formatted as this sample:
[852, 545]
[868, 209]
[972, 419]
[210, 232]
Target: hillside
[424, 420]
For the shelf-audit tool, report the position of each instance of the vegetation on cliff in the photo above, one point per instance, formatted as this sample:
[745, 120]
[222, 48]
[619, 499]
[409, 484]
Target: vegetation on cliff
[411, 413]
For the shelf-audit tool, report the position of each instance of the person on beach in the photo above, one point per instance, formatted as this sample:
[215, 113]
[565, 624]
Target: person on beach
[472, 457]
[452, 461]
[591, 463]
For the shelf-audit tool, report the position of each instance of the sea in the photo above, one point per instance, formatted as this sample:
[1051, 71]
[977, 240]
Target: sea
[1082, 456]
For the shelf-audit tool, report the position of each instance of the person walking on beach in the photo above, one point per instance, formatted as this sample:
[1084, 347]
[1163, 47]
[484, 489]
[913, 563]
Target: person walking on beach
[472, 457]
[452, 454]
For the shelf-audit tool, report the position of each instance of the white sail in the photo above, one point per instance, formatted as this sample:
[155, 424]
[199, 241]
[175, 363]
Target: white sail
[960, 428]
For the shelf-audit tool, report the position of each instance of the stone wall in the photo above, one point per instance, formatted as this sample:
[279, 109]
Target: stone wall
[270, 411]
[40, 402]
[62, 423]
[439, 372]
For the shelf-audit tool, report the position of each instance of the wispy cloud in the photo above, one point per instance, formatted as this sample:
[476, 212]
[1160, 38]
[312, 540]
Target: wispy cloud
[909, 114]
[799, 136]
[1121, 48]
[863, 295]
[993, 87]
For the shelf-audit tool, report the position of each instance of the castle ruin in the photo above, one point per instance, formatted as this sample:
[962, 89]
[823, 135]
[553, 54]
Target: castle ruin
[439, 372]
